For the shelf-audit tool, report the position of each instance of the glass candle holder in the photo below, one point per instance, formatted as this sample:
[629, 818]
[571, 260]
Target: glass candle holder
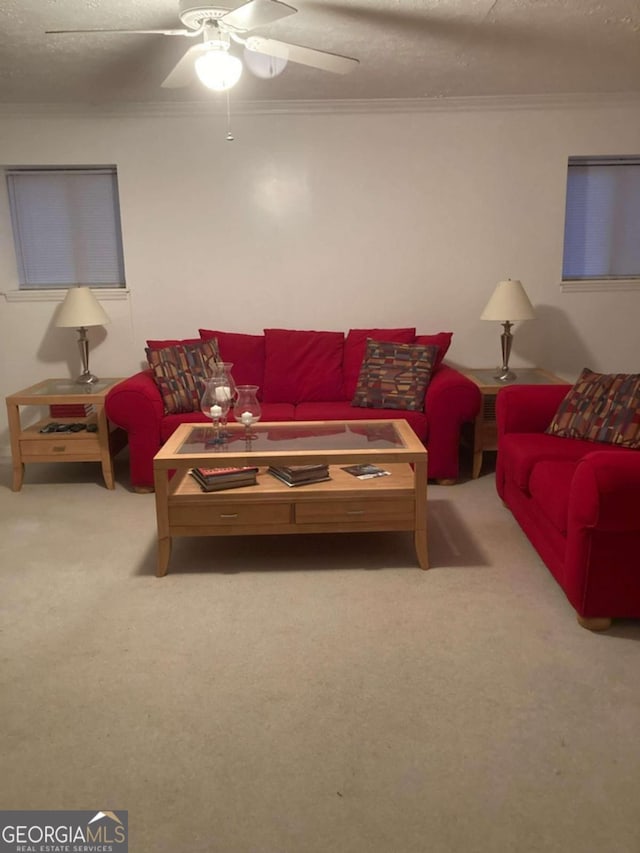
[215, 404]
[247, 410]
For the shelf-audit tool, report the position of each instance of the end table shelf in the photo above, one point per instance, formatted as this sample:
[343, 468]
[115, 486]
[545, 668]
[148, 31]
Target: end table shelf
[28, 444]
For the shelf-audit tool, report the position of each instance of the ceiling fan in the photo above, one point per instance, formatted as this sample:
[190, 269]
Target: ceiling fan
[212, 60]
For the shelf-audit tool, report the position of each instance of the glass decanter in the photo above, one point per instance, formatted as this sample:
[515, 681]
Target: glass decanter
[246, 409]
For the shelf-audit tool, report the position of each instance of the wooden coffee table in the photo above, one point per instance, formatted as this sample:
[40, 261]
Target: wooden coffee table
[339, 505]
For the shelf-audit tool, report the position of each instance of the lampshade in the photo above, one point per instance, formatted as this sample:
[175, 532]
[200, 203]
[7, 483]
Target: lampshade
[80, 309]
[218, 69]
[509, 302]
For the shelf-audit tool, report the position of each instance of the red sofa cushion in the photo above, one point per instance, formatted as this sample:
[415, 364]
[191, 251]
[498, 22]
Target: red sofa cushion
[550, 485]
[354, 348]
[522, 451]
[442, 340]
[303, 365]
[173, 342]
[245, 352]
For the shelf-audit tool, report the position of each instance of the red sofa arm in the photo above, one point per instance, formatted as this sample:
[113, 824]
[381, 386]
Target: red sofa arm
[601, 573]
[450, 401]
[528, 408]
[136, 406]
[605, 491]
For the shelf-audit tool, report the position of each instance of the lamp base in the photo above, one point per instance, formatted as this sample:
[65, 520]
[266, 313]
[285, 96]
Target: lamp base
[504, 374]
[86, 378]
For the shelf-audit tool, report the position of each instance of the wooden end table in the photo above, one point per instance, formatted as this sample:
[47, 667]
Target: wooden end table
[28, 444]
[485, 431]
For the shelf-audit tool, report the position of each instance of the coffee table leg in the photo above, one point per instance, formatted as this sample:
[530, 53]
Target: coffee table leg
[420, 533]
[18, 476]
[161, 483]
[164, 554]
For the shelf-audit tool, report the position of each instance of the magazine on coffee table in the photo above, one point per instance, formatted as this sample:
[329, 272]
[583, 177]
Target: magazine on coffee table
[366, 472]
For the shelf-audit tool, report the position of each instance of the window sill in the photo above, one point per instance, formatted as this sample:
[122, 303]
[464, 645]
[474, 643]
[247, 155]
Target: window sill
[600, 285]
[102, 294]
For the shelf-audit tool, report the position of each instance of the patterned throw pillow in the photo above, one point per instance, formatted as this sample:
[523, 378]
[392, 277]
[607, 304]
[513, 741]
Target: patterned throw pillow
[394, 376]
[180, 372]
[601, 407]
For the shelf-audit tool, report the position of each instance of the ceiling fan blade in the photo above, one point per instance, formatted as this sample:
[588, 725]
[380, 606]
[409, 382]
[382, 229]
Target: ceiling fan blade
[183, 73]
[158, 32]
[256, 13]
[303, 55]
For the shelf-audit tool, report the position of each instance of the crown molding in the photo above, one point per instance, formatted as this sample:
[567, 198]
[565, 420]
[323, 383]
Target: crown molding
[200, 109]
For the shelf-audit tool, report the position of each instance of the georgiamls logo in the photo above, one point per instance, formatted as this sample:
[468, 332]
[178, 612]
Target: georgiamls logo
[100, 815]
[63, 831]
[105, 833]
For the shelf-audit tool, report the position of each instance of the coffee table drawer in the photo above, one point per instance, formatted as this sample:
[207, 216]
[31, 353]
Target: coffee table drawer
[355, 510]
[234, 514]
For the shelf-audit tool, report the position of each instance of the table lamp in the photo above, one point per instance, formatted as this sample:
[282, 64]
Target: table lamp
[509, 302]
[79, 310]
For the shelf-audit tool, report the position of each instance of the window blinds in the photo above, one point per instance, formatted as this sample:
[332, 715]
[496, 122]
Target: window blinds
[66, 225]
[602, 219]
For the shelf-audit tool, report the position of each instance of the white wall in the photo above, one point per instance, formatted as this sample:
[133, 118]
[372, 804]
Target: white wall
[329, 221]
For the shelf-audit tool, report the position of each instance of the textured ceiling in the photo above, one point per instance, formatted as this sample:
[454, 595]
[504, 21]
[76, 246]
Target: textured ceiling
[406, 48]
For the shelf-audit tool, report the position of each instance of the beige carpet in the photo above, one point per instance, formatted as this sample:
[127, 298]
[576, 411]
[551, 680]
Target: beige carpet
[308, 694]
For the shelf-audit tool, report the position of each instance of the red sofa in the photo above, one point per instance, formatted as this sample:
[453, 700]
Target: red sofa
[577, 501]
[302, 376]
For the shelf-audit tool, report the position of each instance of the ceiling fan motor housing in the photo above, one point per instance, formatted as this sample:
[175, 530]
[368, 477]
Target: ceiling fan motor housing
[193, 15]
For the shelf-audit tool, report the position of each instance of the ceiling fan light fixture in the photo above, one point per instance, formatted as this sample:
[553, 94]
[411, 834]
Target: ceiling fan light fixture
[218, 70]
[262, 65]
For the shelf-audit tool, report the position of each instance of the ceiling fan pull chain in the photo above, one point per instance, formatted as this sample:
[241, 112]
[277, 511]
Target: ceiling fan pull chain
[229, 136]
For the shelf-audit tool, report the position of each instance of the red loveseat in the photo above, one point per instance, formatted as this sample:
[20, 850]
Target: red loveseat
[302, 376]
[577, 501]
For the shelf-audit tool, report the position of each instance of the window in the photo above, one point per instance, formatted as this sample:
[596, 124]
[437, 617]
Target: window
[602, 219]
[66, 227]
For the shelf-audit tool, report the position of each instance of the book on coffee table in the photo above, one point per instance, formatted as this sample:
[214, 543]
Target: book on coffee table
[301, 472]
[299, 482]
[299, 475]
[214, 479]
[217, 473]
[219, 487]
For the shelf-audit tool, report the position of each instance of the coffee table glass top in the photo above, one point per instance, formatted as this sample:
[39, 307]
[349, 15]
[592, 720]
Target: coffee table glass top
[270, 437]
